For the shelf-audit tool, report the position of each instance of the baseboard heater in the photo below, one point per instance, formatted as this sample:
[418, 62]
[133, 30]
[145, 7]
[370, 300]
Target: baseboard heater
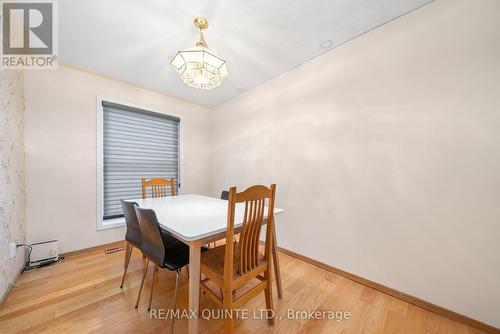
[43, 253]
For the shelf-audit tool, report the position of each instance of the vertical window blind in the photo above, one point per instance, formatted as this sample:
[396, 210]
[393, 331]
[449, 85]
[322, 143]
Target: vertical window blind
[136, 144]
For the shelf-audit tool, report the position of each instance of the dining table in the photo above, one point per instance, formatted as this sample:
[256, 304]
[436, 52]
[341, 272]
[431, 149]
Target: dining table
[199, 220]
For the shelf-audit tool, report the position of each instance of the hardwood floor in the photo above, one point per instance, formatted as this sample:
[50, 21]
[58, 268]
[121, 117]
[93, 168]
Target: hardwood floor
[81, 294]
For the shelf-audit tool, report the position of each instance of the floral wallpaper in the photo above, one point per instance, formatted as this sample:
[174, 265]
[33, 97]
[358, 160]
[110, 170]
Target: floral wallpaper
[12, 196]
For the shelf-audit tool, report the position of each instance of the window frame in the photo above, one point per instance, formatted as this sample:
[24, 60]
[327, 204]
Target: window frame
[102, 224]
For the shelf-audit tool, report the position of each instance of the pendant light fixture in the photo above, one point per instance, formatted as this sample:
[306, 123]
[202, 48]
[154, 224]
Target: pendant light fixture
[199, 67]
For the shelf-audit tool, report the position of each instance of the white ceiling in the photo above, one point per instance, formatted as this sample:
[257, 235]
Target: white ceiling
[134, 40]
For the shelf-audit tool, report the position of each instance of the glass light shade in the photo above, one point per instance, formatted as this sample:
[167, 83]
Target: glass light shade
[199, 67]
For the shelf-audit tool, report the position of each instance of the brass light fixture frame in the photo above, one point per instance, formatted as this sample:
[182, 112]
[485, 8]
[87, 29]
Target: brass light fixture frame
[201, 23]
[211, 64]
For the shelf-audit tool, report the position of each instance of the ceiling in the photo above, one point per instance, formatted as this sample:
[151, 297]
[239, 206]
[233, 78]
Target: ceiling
[135, 40]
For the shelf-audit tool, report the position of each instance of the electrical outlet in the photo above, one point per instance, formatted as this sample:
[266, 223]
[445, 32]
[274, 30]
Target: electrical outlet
[12, 249]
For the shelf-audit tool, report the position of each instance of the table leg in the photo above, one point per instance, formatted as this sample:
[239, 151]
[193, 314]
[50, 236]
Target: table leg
[276, 262]
[194, 284]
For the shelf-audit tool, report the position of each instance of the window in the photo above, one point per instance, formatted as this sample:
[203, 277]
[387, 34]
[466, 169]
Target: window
[136, 144]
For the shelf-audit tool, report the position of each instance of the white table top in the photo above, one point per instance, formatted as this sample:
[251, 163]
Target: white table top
[193, 217]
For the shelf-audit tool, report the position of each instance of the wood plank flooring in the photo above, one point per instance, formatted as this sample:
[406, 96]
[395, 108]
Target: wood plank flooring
[81, 294]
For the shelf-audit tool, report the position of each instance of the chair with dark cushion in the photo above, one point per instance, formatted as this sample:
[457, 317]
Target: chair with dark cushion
[133, 235]
[163, 253]
[224, 195]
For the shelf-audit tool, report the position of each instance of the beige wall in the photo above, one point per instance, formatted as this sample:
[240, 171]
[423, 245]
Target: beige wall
[61, 151]
[385, 151]
[386, 155]
[12, 195]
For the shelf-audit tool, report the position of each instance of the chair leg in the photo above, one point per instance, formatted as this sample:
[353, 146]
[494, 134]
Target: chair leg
[175, 298]
[127, 250]
[276, 263]
[227, 302]
[268, 291]
[152, 288]
[142, 283]
[128, 255]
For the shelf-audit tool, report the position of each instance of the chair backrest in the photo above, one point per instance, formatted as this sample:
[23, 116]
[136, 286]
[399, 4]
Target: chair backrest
[224, 195]
[152, 243]
[158, 187]
[133, 233]
[247, 252]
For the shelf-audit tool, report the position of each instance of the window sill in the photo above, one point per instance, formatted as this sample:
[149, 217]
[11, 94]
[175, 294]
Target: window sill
[110, 223]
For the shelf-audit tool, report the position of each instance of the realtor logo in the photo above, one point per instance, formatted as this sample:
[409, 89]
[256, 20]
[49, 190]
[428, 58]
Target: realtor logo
[29, 36]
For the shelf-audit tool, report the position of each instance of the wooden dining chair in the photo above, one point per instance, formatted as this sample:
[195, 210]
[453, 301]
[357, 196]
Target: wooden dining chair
[225, 196]
[234, 264]
[158, 187]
